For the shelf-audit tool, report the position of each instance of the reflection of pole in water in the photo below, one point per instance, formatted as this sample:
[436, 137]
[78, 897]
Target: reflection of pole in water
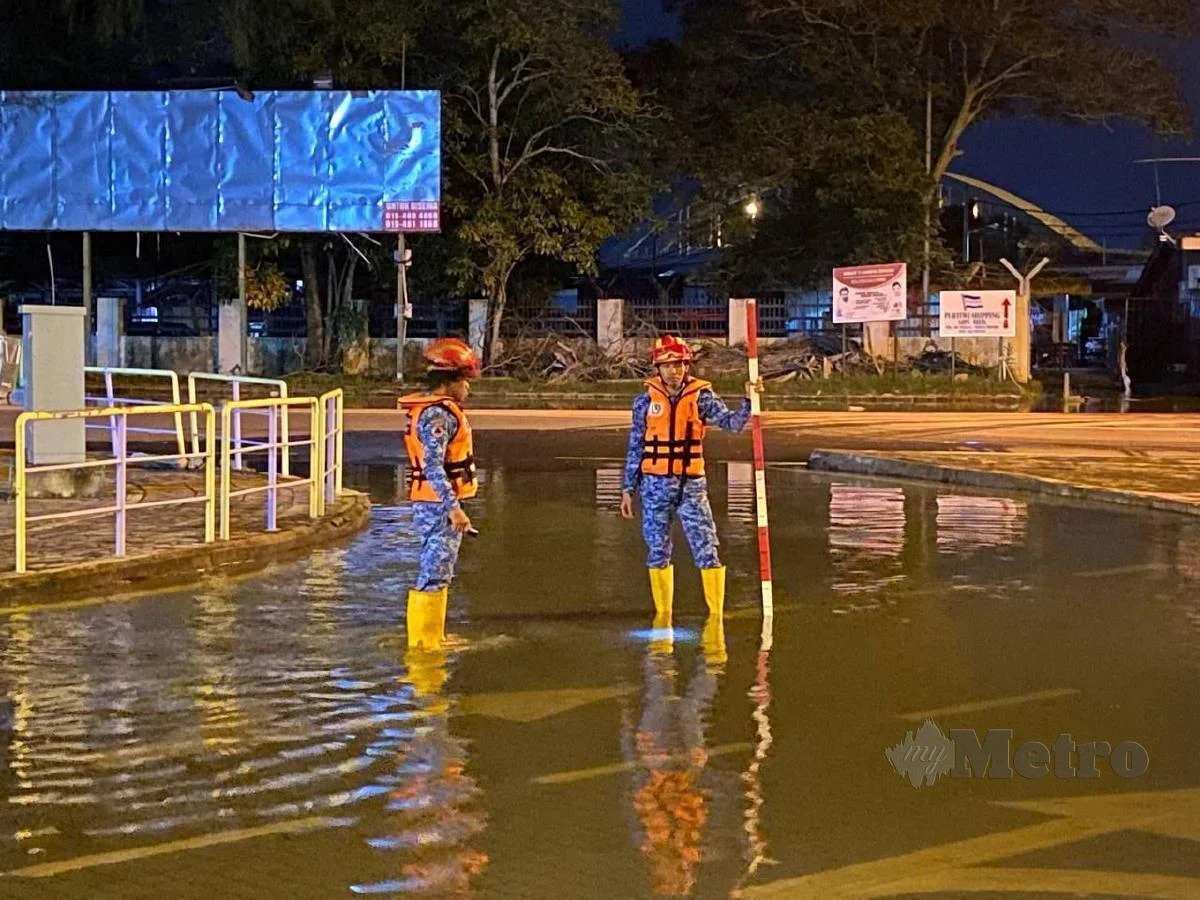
[760, 693]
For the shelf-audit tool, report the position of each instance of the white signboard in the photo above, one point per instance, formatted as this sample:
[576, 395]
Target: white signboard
[978, 314]
[877, 293]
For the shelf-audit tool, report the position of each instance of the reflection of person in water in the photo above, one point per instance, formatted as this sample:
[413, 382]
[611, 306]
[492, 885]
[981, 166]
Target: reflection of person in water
[433, 798]
[670, 750]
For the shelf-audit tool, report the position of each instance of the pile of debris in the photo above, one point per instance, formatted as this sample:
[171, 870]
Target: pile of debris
[810, 357]
[556, 357]
[561, 357]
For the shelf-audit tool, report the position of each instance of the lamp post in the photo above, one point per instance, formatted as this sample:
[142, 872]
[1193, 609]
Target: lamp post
[1021, 356]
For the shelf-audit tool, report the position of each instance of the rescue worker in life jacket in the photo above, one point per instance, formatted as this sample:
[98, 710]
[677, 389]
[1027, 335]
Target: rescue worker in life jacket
[441, 459]
[665, 464]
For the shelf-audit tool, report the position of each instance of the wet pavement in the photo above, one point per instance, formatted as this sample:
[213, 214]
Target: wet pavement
[270, 737]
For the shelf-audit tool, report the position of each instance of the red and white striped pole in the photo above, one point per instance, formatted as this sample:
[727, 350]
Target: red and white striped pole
[760, 474]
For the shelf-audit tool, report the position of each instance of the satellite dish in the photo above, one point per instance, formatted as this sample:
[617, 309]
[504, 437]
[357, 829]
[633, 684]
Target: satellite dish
[1160, 217]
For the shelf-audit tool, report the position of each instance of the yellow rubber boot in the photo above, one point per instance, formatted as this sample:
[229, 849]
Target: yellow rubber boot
[712, 643]
[662, 586]
[427, 619]
[714, 590]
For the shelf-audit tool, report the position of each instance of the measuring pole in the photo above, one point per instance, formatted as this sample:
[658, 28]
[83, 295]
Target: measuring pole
[760, 475]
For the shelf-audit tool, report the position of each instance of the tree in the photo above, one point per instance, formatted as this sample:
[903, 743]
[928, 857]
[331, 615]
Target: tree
[793, 73]
[542, 131]
[1092, 61]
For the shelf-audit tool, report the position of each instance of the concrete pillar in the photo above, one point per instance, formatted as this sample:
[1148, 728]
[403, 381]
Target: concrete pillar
[737, 322]
[52, 348]
[610, 325]
[477, 323]
[110, 331]
[1023, 341]
[231, 339]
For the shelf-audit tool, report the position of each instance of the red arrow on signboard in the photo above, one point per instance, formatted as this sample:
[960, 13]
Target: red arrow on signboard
[1007, 304]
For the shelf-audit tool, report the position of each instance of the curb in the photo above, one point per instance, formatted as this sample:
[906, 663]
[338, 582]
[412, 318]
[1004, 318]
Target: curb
[886, 467]
[179, 568]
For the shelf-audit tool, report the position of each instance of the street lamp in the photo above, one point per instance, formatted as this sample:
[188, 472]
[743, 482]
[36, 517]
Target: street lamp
[752, 209]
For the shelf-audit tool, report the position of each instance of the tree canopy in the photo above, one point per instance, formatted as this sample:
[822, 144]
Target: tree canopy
[824, 103]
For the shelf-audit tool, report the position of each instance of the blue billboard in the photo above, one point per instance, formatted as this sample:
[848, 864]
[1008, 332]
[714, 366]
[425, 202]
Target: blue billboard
[316, 161]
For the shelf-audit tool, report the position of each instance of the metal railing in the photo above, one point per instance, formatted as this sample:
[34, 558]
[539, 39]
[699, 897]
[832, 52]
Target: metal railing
[275, 409]
[333, 430]
[111, 400]
[120, 462]
[236, 381]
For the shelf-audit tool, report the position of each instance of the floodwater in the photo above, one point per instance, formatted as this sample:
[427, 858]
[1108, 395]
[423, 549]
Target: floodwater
[270, 737]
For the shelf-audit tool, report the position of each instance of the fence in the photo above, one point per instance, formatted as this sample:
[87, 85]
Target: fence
[333, 411]
[279, 389]
[111, 399]
[684, 320]
[120, 462]
[274, 408]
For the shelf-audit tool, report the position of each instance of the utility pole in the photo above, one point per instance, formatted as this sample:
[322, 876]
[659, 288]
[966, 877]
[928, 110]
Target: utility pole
[929, 199]
[89, 350]
[401, 303]
[243, 316]
[1024, 342]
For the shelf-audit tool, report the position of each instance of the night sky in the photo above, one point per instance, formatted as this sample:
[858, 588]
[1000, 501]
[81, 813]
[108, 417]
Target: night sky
[1068, 170]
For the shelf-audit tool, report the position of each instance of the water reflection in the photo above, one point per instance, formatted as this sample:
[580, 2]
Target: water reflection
[967, 523]
[668, 746]
[866, 537]
[739, 493]
[608, 489]
[433, 811]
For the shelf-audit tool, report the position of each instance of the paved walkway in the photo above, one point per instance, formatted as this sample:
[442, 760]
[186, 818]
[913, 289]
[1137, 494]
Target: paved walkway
[56, 542]
[74, 558]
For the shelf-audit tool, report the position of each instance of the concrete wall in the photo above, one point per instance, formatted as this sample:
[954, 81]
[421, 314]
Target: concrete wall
[183, 354]
[274, 356]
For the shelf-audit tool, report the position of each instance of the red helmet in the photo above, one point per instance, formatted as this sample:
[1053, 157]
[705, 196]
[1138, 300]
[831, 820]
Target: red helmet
[669, 348]
[453, 355]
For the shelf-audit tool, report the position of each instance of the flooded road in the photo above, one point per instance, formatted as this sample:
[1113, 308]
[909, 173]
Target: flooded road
[271, 737]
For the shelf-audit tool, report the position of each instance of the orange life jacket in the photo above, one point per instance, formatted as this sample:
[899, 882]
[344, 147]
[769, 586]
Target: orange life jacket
[674, 443]
[460, 452]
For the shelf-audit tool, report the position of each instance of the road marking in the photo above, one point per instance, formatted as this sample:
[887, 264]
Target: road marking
[532, 706]
[998, 703]
[961, 866]
[1124, 570]
[629, 766]
[297, 826]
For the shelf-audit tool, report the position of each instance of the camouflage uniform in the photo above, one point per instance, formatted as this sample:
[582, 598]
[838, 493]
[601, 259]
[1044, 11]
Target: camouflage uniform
[440, 543]
[667, 495]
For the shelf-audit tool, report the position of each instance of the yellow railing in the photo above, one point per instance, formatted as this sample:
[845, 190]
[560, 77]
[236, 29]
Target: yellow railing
[274, 408]
[279, 390]
[120, 461]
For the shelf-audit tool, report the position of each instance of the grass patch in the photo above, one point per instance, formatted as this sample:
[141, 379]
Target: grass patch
[907, 386]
